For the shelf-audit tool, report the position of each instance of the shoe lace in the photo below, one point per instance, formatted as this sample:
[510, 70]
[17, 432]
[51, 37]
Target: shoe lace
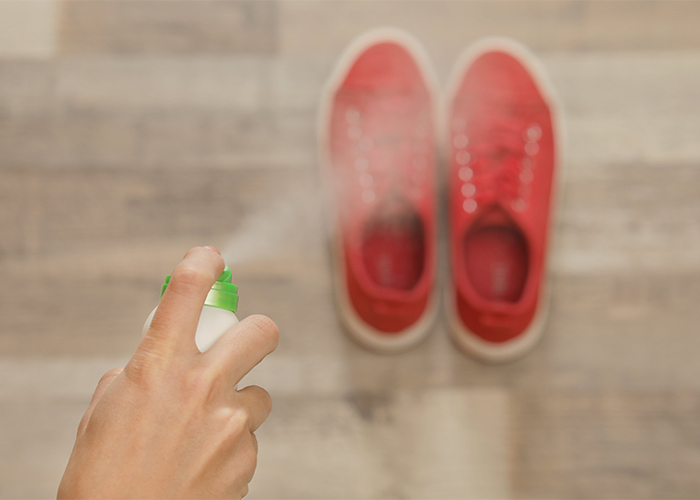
[380, 146]
[497, 162]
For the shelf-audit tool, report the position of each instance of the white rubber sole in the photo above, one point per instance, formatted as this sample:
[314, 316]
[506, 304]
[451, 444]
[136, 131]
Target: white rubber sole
[465, 339]
[363, 333]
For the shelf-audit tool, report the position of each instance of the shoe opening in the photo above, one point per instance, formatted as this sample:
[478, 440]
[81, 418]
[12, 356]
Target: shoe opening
[496, 258]
[393, 246]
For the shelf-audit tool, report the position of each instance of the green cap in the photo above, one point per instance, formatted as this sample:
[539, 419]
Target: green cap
[223, 294]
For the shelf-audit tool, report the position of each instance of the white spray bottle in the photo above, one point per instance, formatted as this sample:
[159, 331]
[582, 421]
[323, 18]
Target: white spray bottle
[218, 313]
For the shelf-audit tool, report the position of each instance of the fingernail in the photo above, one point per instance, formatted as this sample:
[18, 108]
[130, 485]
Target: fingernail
[212, 248]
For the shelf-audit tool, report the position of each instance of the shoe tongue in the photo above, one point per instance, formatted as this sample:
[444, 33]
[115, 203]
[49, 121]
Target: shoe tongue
[495, 217]
[395, 206]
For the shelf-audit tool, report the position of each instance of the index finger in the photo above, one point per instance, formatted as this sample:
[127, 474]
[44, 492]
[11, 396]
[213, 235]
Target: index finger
[175, 322]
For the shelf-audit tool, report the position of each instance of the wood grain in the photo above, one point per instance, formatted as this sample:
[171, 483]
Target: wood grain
[180, 27]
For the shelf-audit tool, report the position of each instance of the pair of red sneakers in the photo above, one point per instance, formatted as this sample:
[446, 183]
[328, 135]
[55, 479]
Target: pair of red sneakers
[382, 131]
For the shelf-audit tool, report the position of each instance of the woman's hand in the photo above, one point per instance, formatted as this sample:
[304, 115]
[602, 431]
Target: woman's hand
[171, 424]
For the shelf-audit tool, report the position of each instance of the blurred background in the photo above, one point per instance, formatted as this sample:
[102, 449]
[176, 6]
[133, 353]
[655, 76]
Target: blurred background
[133, 130]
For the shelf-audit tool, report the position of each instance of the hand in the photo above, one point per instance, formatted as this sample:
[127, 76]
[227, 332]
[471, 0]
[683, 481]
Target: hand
[171, 423]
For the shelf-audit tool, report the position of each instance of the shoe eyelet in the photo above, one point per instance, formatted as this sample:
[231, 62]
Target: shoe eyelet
[460, 141]
[526, 176]
[365, 143]
[366, 180]
[531, 148]
[469, 205]
[534, 132]
[466, 174]
[368, 196]
[468, 190]
[361, 164]
[463, 157]
[519, 205]
[354, 132]
[352, 115]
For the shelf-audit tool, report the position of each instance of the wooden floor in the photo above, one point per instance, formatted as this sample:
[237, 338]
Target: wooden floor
[134, 132]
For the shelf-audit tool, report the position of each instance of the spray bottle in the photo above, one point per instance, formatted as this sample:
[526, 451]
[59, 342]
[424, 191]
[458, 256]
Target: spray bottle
[218, 313]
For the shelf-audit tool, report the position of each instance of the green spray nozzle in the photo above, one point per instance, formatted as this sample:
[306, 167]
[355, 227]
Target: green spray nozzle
[223, 293]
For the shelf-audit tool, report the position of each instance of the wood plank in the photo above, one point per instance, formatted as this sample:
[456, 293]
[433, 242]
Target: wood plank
[177, 139]
[606, 445]
[447, 27]
[440, 443]
[26, 87]
[36, 438]
[147, 26]
[28, 29]
[75, 207]
[150, 83]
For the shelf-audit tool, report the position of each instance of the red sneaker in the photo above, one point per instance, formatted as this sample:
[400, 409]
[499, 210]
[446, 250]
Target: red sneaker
[378, 153]
[503, 161]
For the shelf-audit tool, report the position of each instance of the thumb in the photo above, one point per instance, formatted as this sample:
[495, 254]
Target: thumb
[102, 386]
